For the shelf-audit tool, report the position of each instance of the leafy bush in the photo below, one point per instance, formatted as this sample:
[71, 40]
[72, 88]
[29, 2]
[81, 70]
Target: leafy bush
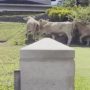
[69, 14]
[59, 13]
[69, 3]
[75, 2]
[81, 13]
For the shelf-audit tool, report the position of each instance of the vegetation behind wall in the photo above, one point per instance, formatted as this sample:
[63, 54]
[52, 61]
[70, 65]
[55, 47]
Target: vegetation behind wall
[69, 14]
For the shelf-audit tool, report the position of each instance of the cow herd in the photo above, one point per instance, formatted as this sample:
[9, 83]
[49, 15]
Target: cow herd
[44, 27]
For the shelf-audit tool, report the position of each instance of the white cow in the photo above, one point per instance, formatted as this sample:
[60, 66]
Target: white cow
[47, 27]
[32, 26]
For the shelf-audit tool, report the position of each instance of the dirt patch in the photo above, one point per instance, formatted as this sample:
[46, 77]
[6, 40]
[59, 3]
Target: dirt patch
[2, 42]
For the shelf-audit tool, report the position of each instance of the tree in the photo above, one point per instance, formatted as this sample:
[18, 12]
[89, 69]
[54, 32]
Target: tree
[82, 2]
[69, 3]
[76, 2]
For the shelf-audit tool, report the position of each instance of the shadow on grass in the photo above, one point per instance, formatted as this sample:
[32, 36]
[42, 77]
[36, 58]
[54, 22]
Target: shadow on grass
[79, 45]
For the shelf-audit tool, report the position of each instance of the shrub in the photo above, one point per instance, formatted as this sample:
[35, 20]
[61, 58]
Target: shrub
[59, 13]
[81, 13]
[69, 14]
[69, 3]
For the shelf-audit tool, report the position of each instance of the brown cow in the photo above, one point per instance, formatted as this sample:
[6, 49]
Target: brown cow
[84, 30]
[32, 26]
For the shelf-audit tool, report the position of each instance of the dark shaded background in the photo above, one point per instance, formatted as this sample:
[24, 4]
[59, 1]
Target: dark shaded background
[19, 1]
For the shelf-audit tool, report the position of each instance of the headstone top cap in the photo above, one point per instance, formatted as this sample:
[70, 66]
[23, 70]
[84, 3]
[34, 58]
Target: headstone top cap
[47, 44]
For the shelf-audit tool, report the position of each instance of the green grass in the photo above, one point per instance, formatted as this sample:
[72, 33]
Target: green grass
[10, 56]
[82, 59]
[9, 61]
[13, 33]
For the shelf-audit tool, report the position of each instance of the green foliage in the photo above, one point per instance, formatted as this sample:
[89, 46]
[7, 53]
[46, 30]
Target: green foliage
[81, 13]
[69, 3]
[59, 13]
[69, 13]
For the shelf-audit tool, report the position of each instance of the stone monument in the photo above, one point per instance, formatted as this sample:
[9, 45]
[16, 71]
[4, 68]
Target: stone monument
[47, 65]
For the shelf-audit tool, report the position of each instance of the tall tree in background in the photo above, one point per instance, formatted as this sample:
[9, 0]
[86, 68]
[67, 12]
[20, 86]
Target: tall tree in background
[69, 2]
[82, 2]
[76, 2]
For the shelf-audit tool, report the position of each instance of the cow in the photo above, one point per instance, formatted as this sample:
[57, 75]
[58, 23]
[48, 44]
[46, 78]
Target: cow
[84, 31]
[47, 27]
[32, 26]
[87, 39]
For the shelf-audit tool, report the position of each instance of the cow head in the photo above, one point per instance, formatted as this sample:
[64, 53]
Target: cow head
[28, 18]
[43, 22]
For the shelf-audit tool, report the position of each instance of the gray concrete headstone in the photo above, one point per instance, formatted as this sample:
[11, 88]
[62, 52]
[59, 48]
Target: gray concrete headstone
[47, 65]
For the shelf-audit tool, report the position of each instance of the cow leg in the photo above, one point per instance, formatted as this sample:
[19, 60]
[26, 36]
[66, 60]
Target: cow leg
[35, 37]
[53, 36]
[69, 39]
[81, 37]
[88, 41]
[26, 34]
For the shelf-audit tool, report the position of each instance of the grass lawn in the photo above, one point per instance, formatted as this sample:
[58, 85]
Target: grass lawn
[12, 32]
[9, 61]
[10, 56]
[82, 60]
